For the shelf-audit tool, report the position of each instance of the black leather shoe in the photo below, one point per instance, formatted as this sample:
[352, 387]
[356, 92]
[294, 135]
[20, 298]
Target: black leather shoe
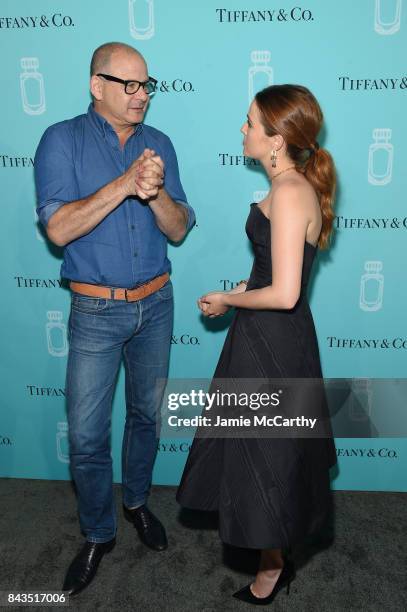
[149, 528]
[84, 566]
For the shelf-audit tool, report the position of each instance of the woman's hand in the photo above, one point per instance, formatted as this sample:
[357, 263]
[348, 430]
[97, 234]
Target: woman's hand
[212, 304]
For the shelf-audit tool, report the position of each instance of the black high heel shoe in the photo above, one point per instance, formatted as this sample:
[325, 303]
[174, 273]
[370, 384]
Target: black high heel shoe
[286, 576]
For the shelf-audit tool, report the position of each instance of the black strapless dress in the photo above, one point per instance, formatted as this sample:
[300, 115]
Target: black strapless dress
[270, 493]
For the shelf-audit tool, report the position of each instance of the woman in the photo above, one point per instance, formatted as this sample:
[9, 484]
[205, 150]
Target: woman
[272, 492]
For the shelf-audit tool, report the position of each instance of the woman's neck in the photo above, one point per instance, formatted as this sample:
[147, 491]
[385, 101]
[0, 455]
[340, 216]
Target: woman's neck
[282, 167]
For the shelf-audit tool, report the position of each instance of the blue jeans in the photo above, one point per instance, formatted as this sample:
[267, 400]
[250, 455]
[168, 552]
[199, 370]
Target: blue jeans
[101, 333]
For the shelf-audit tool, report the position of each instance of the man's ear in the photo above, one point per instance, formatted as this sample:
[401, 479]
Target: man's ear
[96, 87]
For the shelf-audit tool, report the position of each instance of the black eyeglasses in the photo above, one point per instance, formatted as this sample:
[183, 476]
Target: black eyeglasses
[132, 87]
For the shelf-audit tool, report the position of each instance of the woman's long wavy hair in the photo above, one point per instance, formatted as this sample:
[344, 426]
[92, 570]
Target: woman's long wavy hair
[293, 112]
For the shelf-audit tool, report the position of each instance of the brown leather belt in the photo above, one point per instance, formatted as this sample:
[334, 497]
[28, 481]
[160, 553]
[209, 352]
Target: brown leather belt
[115, 293]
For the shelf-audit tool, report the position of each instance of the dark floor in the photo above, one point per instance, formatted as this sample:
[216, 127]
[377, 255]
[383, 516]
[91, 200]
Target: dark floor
[364, 568]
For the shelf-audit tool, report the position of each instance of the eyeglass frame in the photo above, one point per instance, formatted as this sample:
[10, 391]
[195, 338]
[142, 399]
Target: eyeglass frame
[142, 84]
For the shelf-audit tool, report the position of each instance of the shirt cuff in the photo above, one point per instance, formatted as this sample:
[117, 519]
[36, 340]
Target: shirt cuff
[191, 214]
[46, 211]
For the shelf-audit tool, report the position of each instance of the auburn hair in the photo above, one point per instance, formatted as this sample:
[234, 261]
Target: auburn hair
[293, 112]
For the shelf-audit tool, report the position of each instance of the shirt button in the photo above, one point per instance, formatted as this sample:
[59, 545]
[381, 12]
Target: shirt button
[135, 253]
[132, 227]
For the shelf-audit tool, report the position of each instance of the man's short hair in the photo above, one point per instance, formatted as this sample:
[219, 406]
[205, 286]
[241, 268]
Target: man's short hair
[102, 55]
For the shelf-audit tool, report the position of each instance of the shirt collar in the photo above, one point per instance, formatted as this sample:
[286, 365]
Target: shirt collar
[103, 126]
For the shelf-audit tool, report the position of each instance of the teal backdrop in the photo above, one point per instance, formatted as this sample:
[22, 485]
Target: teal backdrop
[209, 60]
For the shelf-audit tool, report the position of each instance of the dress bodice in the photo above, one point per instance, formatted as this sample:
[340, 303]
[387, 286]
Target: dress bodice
[258, 231]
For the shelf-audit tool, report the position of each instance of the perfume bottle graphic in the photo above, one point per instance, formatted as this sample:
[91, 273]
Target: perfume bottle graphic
[56, 334]
[380, 166]
[37, 231]
[371, 287]
[260, 73]
[62, 442]
[258, 196]
[387, 17]
[141, 18]
[360, 407]
[32, 87]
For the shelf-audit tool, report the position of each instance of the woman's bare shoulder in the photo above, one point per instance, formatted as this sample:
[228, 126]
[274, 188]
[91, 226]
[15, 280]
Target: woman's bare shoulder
[294, 185]
[296, 190]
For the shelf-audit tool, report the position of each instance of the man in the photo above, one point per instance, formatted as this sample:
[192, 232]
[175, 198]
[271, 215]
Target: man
[109, 192]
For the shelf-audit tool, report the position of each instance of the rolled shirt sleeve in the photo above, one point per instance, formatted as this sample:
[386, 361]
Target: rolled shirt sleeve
[172, 182]
[54, 172]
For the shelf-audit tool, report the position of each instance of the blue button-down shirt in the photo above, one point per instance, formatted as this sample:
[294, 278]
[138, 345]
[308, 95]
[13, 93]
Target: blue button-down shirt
[77, 157]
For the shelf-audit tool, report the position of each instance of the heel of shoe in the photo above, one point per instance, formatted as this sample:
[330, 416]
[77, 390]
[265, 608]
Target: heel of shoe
[109, 546]
[127, 514]
[291, 575]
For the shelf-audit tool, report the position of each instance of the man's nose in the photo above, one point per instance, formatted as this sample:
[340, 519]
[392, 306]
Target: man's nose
[140, 94]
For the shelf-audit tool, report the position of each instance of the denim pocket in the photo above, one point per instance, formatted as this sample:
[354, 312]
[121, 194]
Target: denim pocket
[87, 304]
[166, 292]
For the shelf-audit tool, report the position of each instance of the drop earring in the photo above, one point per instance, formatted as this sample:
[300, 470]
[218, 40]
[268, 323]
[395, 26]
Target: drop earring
[274, 158]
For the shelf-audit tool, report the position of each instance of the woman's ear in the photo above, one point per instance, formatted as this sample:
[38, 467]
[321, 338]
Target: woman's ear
[277, 142]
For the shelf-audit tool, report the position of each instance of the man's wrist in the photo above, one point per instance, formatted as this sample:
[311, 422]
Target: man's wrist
[121, 185]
